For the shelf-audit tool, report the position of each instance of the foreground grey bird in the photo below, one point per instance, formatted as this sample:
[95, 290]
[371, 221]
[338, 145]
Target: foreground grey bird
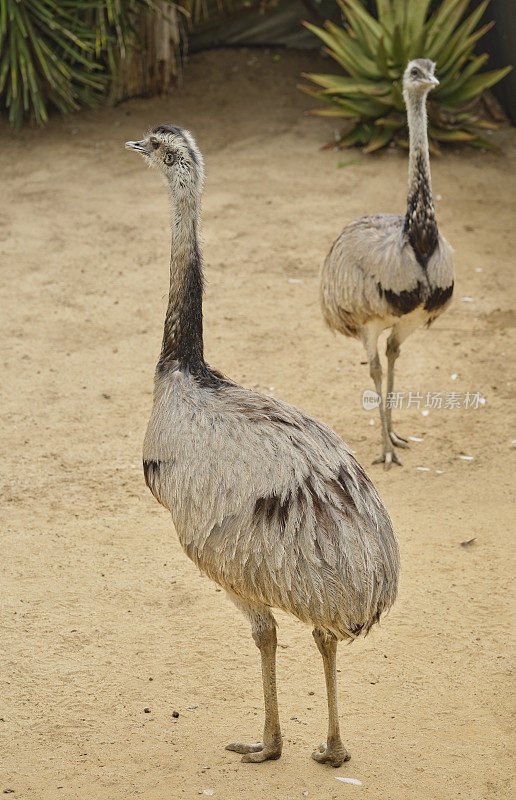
[267, 501]
[392, 271]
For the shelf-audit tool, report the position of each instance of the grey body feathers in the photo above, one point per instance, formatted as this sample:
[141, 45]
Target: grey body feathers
[372, 273]
[271, 504]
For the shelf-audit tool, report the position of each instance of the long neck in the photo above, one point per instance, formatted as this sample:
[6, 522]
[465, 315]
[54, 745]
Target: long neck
[420, 224]
[182, 335]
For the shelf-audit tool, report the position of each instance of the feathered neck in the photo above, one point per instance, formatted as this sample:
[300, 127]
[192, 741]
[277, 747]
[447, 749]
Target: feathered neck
[420, 224]
[183, 336]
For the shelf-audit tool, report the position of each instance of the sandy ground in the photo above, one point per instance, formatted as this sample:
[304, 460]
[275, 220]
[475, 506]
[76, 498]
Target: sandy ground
[102, 614]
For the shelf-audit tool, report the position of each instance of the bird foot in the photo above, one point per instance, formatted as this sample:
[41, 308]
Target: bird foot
[399, 441]
[334, 754]
[388, 458]
[255, 753]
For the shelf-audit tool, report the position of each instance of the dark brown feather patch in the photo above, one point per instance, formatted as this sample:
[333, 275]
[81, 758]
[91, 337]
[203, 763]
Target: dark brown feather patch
[402, 302]
[438, 298]
[420, 225]
[151, 472]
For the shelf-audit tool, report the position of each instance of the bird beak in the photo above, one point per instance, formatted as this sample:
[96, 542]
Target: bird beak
[139, 146]
[432, 81]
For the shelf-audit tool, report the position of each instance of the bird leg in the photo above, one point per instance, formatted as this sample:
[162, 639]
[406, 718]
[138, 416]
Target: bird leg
[264, 635]
[388, 455]
[333, 751]
[392, 353]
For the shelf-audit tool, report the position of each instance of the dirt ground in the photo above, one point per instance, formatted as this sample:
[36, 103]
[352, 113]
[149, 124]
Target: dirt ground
[102, 613]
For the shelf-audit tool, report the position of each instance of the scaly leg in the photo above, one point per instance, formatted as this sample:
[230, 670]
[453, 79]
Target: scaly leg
[264, 634]
[333, 751]
[392, 353]
[369, 335]
[399, 333]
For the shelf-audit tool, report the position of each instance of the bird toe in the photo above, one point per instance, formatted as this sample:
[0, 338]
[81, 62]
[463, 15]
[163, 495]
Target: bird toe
[241, 747]
[390, 459]
[399, 441]
[267, 754]
[387, 459]
[335, 755]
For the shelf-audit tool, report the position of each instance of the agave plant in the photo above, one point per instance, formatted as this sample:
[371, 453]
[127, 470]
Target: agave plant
[374, 52]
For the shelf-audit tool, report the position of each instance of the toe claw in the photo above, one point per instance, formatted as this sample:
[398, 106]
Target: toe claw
[319, 753]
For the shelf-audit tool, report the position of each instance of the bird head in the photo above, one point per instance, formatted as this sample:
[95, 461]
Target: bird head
[173, 151]
[419, 77]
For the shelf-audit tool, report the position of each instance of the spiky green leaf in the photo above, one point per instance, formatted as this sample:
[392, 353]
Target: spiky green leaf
[360, 134]
[477, 84]
[450, 136]
[378, 140]
[338, 83]
[402, 30]
[356, 7]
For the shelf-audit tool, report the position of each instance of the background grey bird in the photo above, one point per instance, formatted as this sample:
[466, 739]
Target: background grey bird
[267, 501]
[392, 271]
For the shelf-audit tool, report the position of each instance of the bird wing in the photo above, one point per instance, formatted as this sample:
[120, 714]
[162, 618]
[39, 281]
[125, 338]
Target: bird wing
[270, 503]
[439, 268]
[372, 269]
[377, 247]
[244, 443]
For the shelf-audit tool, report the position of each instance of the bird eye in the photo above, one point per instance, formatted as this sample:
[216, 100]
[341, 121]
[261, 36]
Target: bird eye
[414, 72]
[169, 158]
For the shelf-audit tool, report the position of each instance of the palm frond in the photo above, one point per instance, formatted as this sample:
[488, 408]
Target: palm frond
[62, 54]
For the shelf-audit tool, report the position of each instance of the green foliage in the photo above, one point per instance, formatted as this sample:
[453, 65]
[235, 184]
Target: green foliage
[61, 53]
[374, 52]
